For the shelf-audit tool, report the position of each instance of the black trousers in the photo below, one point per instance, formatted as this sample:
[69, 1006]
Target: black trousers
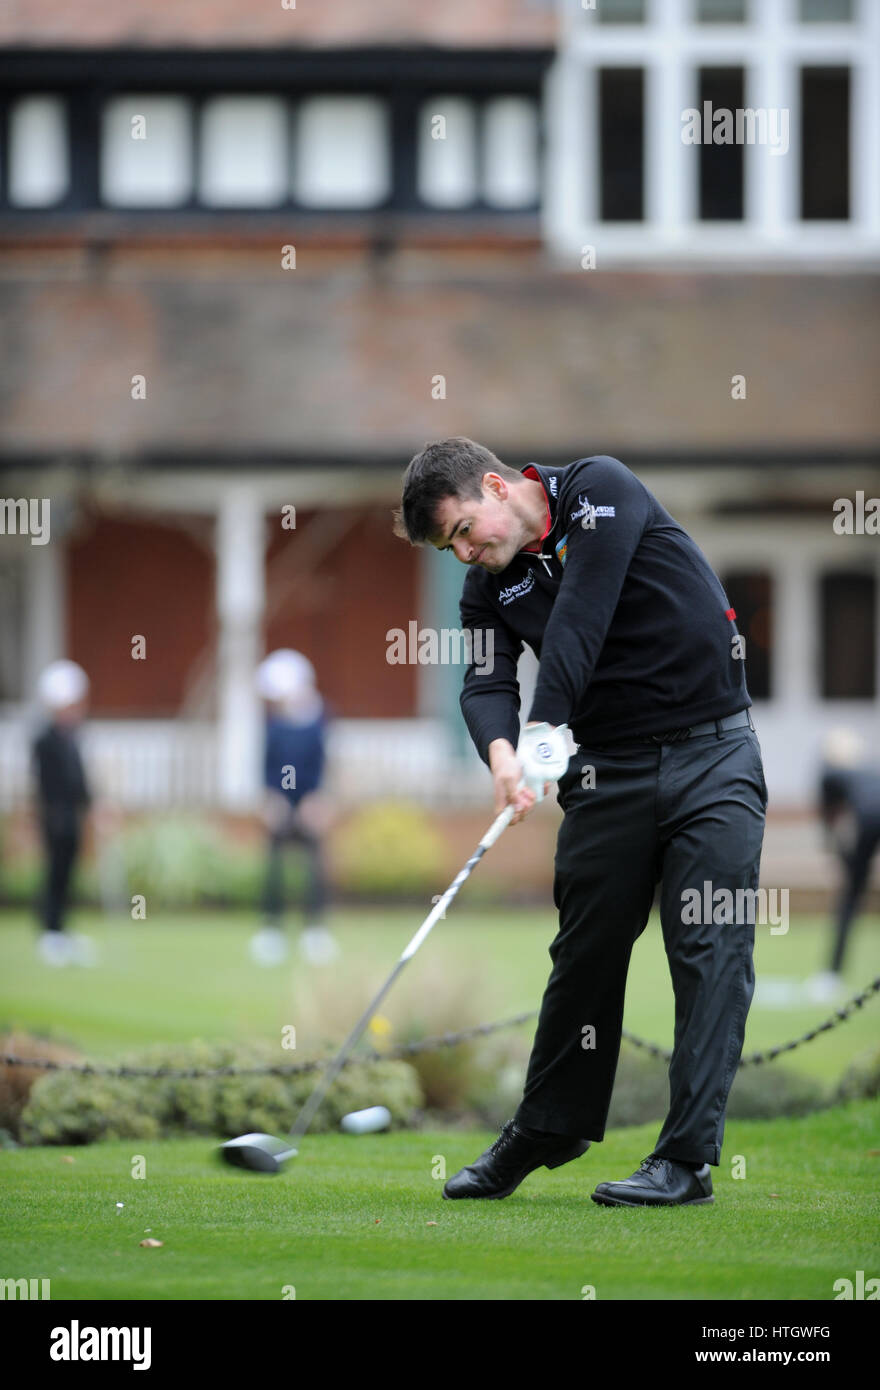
[857, 867]
[292, 831]
[61, 850]
[687, 815]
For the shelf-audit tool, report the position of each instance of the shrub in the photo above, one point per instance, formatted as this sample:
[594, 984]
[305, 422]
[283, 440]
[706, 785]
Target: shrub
[16, 1082]
[772, 1092]
[175, 861]
[184, 861]
[641, 1091]
[390, 849]
[72, 1108]
[861, 1080]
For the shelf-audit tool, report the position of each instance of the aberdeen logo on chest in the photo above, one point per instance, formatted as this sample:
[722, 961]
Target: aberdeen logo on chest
[515, 591]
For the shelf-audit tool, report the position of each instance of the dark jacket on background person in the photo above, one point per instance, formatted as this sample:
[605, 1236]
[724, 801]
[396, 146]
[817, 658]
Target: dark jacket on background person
[296, 746]
[850, 789]
[62, 790]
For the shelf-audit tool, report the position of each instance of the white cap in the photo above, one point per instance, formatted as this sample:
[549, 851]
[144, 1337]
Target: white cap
[843, 748]
[285, 675]
[62, 684]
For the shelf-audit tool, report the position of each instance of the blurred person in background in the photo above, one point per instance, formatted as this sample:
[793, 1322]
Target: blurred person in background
[63, 801]
[849, 804]
[294, 811]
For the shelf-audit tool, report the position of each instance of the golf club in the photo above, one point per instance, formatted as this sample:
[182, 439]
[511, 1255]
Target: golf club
[265, 1153]
[262, 1152]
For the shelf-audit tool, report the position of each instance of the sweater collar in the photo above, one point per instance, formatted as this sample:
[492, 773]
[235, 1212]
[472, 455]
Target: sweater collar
[549, 480]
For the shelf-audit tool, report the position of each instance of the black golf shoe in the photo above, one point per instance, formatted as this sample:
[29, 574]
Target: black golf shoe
[659, 1182]
[514, 1155]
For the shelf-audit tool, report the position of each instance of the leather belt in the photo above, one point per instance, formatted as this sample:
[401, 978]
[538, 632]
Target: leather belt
[712, 726]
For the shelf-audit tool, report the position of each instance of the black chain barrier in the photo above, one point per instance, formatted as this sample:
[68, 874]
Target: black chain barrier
[480, 1030]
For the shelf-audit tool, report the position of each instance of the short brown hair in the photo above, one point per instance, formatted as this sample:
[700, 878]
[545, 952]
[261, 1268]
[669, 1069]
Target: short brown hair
[448, 468]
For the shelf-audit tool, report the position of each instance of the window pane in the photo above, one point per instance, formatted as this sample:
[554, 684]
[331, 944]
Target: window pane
[825, 143]
[342, 152]
[621, 11]
[822, 11]
[38, 159]
[622, 137]
[721, 11]
[146, 157]
[751, 597]
[849, 620]
[510, 152]
[244, 152]
[721, 165]
[447, 175]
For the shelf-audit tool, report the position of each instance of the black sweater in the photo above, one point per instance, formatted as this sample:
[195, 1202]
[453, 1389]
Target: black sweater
[62, 789]
[632, 629]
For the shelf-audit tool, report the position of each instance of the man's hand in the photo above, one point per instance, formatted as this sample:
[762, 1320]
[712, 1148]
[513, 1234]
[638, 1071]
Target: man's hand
[507, 776]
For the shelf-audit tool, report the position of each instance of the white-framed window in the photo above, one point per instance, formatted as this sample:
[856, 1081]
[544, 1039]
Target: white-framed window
[343, 153]
[825, 11]
[472, 151]
[146, 151]
[510, 152]
[476, 150]
[721, 11]
[448, 168]
[620, 11]
[243, 152]
[39, 167]
[714, 131]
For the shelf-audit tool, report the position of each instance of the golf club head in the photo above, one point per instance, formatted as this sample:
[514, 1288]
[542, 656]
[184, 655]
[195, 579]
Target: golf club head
[261, 1153]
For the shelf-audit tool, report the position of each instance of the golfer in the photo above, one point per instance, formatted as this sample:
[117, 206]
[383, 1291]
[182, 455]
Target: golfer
[849, 805]
[640, 656]
[63, 798]
[294, 811]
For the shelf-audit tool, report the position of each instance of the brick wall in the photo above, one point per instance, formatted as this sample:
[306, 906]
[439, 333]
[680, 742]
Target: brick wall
[339, 355]
[208, 23]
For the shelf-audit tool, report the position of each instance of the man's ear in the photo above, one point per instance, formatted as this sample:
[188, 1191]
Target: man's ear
[495, 485]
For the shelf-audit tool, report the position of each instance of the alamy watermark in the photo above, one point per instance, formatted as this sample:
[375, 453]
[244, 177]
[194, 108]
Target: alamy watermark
[445, 646]
[718, 125]
[27, 1289]
[728, 906]
[26, 516]
[76, 1343]
[859, 516]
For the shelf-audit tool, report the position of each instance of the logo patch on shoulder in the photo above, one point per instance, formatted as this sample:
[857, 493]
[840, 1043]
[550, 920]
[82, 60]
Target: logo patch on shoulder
[586, 514]
[562, 550]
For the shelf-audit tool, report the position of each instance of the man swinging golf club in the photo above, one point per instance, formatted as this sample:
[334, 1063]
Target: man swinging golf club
[639, 654]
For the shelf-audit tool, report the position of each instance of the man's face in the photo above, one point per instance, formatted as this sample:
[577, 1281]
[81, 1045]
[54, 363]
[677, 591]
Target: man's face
[485, 532]
[68, 716]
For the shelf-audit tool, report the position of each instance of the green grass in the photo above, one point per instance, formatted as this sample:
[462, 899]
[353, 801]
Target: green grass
[179, 977]
[349, 1219]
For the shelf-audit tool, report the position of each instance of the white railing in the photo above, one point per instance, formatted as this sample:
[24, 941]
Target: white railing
[158, 764]
[414, 759]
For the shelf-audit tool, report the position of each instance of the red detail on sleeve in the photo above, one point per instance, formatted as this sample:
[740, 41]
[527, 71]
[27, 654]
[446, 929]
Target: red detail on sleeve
[731, 614]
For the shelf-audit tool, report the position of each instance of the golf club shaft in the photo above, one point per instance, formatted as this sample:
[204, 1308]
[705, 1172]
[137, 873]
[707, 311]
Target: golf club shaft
[307, 1114]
